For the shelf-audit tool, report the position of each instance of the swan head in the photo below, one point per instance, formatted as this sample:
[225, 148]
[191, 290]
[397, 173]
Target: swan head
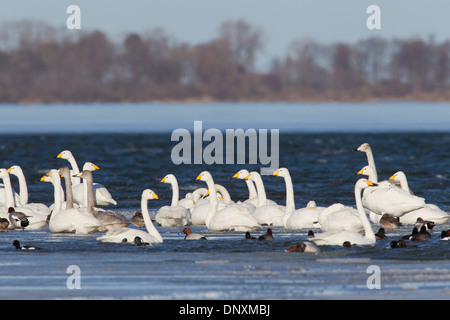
[168, 179]
[365, 147]
[15, 170]
[364, 183]
[46, 178]
[367, 171]
[241, 174]
[398, 175]
[252, 176]
[204, 176]
[149, 194]
[51, 176]
[85, 174]
[218, 194]
[311, 205]
[90, 166]
[66, 154]
[64, 172]
[281, 172]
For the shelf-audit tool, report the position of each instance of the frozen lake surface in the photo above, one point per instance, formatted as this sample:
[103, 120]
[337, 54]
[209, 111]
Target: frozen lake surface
[158, 117]
[133, 151]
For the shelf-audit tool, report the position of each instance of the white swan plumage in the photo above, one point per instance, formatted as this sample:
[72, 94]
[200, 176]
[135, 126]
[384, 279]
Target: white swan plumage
[388, 198]
[230, 218]
[173, 215]
[200, 210]
[40, 208]
[339, 237]
[108, 219]
[338, 217]
[300, 218]
[102, 196]
[429, 212]
[127, 235]
[252, 193]
[72, 220]
[366, 148]
[266, 213]
[36, 219]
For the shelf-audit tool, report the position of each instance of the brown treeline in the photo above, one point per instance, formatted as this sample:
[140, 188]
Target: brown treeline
[40, 63]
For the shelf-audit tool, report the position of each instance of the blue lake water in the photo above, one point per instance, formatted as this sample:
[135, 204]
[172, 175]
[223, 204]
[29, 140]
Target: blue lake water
[131, 143]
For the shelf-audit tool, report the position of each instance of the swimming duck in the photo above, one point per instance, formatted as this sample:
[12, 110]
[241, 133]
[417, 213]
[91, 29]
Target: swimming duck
[16, 244]
[4, 223]
[248, 236]
[445, 235]
[192, 236]
[138, 241]
[380, 235]
[422, 235]
[420, 222]
[18, 219]
[304, 246]
[138, 220]
[401, 243]
[388, 221]
[266, 237]
[310, 234]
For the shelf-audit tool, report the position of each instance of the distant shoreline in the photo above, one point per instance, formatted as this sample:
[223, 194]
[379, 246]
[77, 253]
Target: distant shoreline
[412, 98]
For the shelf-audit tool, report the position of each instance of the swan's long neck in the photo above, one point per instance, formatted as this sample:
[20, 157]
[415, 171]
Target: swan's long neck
[85, 193]
[251, 189]
[372, 175]
[225, 195]
[56, 181]
[175, 193]
[90, 195]
[69, 195]
[148, 222]
[290, 202]
[23, 189]
[198, 193]
[371, 162]
[75, 170]
[262, 200]
[403, 182]
[213, 203]
[9, 195]
[362, 215]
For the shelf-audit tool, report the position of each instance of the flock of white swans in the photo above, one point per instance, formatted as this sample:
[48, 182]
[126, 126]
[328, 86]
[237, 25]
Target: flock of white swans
[77, 208]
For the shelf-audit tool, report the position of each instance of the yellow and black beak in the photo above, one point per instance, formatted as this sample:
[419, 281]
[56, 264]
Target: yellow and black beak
[371, 184]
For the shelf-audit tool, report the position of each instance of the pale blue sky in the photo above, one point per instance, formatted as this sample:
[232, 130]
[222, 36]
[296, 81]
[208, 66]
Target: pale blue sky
[282, 21]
